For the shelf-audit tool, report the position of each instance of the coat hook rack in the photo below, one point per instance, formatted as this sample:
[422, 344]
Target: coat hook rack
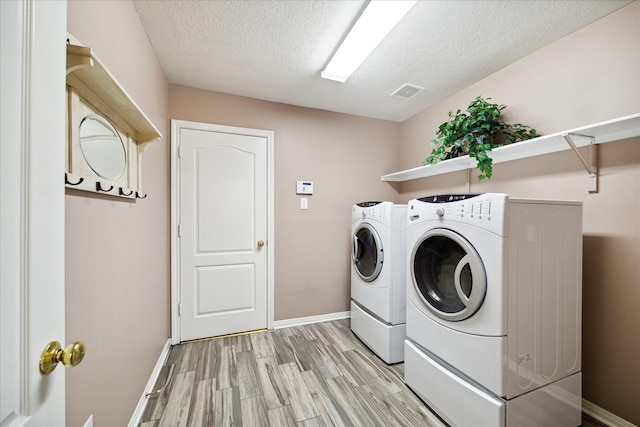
[67, 182]
[140, 197]
[99, 187]
[122, 193]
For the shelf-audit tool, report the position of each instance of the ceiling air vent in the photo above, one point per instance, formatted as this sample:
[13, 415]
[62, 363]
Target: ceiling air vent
[407, 91]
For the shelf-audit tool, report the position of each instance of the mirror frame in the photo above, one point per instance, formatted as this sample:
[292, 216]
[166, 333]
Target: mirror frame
[80, 174]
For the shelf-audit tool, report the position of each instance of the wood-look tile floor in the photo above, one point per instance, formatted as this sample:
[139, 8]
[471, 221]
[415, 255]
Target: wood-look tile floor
[313, 375]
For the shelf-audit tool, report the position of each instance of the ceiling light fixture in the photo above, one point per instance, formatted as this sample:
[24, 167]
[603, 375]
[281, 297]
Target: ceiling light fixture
[377, 20]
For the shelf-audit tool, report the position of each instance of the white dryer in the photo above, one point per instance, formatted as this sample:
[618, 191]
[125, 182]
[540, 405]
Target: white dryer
[494, 309]
[378, 283]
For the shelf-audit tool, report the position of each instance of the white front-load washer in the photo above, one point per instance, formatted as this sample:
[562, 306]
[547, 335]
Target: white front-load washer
[378, 284]
[494, 309]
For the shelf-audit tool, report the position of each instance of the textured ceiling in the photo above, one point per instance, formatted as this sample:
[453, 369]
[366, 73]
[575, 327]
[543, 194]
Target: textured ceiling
[275, 50]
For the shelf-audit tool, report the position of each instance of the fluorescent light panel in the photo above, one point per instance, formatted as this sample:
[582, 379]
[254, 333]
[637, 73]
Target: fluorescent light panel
[377, 20]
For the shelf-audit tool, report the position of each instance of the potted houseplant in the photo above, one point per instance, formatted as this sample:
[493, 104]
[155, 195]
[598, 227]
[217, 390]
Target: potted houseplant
[475, 132]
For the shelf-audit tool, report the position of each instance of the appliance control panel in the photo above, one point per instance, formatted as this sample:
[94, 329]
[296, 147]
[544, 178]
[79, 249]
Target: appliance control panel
[480, 209]
[448, 198]
[486, 210]
[368, 204]
[378, 211]
[371, 210]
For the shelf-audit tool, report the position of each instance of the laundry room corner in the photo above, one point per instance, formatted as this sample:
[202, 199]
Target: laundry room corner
[546, 90]
[342, 155]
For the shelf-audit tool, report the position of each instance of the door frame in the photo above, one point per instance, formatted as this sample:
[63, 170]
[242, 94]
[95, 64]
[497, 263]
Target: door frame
[176, 125]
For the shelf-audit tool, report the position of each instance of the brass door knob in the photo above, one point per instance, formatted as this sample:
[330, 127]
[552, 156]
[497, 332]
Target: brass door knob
[260, 243]
[53, 353]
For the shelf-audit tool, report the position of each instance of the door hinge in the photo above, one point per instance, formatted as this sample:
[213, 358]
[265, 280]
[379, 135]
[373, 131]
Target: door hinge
[179, 230]
[180, 151]
[179, 309]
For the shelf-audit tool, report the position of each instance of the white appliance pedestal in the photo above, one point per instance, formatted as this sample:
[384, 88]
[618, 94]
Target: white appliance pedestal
[558, 404]
[387, 341]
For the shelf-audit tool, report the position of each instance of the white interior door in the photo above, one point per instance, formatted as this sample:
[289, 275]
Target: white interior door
[224, 239]
[32, 135]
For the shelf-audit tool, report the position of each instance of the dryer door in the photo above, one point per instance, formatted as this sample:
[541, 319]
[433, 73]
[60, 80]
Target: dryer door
[448, 274]
[367, 252]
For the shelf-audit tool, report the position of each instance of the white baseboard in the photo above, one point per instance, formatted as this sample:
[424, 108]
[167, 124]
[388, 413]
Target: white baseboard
[279, 324]
[604, 416]
[142, 403]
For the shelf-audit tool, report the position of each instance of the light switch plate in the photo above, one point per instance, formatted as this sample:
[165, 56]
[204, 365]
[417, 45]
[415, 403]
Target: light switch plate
[304, 204]
[304, 187]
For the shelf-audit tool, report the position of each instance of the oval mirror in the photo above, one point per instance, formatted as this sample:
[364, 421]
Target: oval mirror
[102, 147]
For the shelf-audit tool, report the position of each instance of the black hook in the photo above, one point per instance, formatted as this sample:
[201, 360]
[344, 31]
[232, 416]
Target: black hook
[122, 193]
[138, 196]
[99, 187]
[66, 180]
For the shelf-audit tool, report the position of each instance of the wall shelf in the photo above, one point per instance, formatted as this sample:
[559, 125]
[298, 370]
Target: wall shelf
[90, 79]
[599, 133]
[106, 130]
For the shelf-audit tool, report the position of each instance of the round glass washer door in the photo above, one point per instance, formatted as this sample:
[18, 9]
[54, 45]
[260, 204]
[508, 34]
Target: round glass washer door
[448, 274]
[367, 252]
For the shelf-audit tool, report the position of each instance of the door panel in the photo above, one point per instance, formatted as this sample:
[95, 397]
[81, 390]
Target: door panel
[226, 177]
[213, 295]
[223, 217]
[32, 64]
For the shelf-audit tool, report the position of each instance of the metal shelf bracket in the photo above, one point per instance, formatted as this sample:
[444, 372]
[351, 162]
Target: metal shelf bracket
[592, 165]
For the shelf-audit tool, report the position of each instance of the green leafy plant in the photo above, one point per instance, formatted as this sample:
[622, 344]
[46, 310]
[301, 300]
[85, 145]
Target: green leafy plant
[476, 132]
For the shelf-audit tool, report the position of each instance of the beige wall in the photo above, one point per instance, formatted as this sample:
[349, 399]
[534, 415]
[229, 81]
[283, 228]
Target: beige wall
[343, 155]
[117, 250]
[590, 76]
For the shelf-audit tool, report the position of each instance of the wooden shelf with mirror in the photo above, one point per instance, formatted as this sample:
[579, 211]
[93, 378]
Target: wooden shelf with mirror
[106, 131]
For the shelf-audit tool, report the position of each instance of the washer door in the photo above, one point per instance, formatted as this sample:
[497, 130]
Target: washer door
[448, 274]
[367, 252]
